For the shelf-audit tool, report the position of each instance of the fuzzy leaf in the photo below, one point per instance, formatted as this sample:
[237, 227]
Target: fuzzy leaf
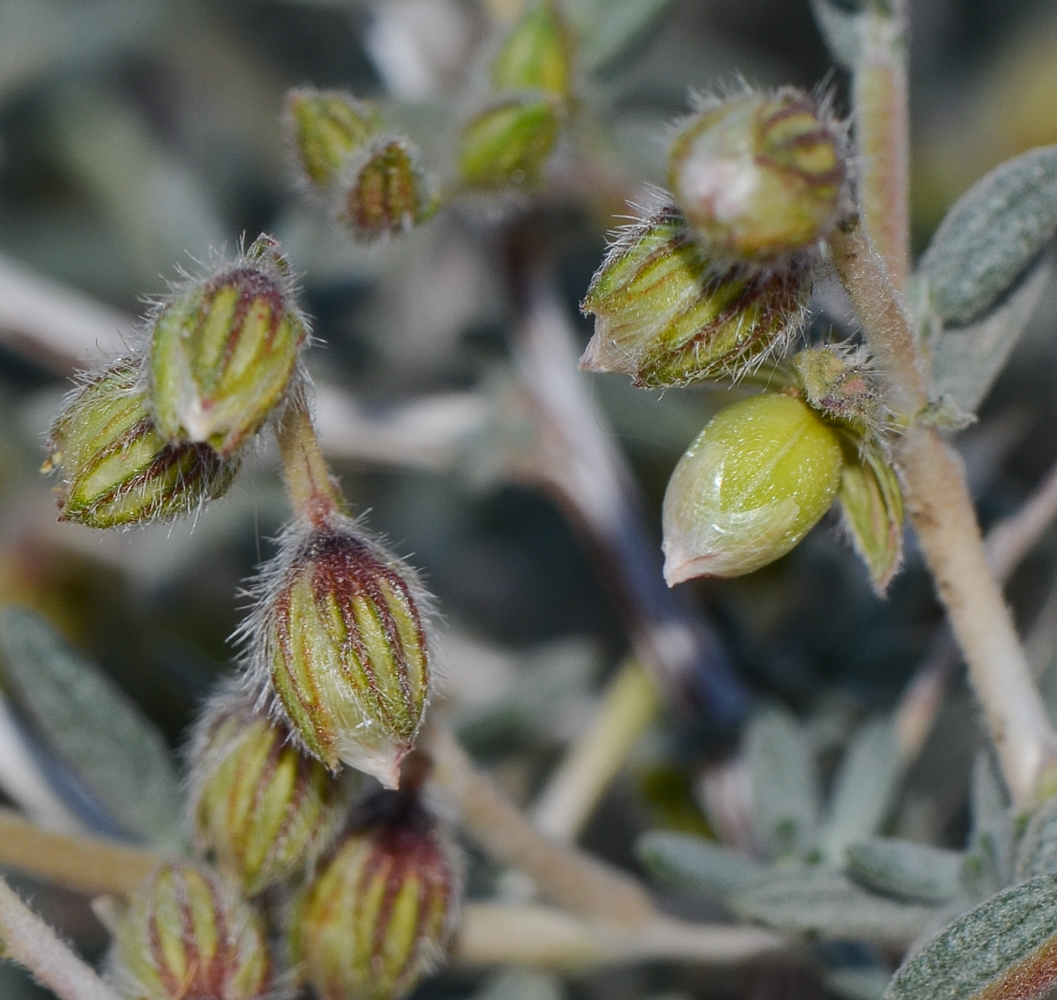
[864, 787]
[866, 982]
[842, 26]
[1037, 854]
[1004, 949]
[696, 866]
[608, 27]
[989, 865]
[967, 360]
[991, 236]
[784, 782]
[824, 902]
[872, 502]
[917, 872]
[99, 733]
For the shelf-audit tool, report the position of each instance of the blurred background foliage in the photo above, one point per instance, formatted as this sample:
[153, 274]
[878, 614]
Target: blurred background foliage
[135, 135]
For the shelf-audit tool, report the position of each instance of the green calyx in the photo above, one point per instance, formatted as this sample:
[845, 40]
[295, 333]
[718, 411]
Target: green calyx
[536, 54]
[326, 127]
[508, 144]
[384, 190]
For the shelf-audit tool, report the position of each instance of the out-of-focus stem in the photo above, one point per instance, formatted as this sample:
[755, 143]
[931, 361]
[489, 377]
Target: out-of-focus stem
[569, 798]
[313, 492]
[29, 941]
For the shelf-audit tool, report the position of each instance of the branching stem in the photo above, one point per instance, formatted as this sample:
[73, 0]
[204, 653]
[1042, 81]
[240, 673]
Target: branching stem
[312, 490]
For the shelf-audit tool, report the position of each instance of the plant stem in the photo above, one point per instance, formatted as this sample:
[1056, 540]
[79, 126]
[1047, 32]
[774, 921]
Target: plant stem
[564, 874]
[569, 798]
[29, 941]
[313, 493]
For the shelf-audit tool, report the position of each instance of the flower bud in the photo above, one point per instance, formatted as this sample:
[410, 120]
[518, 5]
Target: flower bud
[380, 913]
[339, 631]
[758, 175]
[384, 189]
[327, 127]
[666, 317]
[261, 806]
[752, 484]
[186, 936]
[507, 145]
[223, 351]
[536, 54]
[838, 384]
[116, 468]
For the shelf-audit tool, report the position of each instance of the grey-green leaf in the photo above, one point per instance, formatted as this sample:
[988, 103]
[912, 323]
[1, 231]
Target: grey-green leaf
[916, 872]
[1002, 948]
[992, 840]
[991, 236]
[696, 866]
[824, 902]
[842, 29]
[858, 982]
[1037, 853]
[784, 783]
[607, 27]
[520, 984]
[98, 732]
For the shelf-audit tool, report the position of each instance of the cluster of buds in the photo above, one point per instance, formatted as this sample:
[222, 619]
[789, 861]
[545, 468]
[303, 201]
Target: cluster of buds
[508, 142]
[371, 178]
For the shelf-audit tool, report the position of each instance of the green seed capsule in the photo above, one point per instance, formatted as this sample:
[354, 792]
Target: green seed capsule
[326, 128]
[187, 936]
[117, 469]
[536, 54]
[753, 483]
[339, 635]
[224, 350]
[507, 145]
[380, 913]
[667, 317]
[384, 189]
[759, 176]
[262, 807]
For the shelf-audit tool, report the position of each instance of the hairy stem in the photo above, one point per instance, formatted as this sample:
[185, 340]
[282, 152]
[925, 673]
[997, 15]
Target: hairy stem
[313, 492]
[30, 942]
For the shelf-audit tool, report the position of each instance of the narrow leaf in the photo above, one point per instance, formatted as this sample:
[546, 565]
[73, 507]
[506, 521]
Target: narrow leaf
[1004, 949]
[991, 236]
[784, 782]
[1037, 854]
[917, 872]
[842, 28]
[519, 984]
[992, 840]
[824, 902]
[609, 27]
[872, 502]
[858, 982]
[864, 788]
[696, 866]
[93, 726]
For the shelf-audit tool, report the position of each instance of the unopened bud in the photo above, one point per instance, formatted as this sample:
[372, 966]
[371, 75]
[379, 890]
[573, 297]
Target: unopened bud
[507, 145]
[759, 175]
[380, 913]
[326, 128]
[339, 631]
[262, 807]
[116, 468]
[667, 317]
[752, 484]
[838, 384]
[223, 351]
[187, 936]
[384, 189]
[536, 54]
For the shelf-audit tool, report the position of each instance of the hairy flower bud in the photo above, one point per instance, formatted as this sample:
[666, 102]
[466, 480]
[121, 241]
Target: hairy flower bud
[665, 316]
[384, 189]
[187, 936]
[837, 383]
[380, 912]
[507, 145]
[224, 349]
[256, 801]
[326, 128]
[339, 634]
[536, 54]
[752, 484]
[759, 175]
[116, 468]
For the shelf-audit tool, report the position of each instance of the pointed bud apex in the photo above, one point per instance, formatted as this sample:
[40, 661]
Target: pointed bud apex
[752, 484]
[838, 384]
[384, 189]
[261, 806]
[666, 317]
[507, 145]
[223, 351]
[187, 936]
[536, 54]
[327, 127]
[116, 468]
[758, 175]
[380, 913]
[339, 631]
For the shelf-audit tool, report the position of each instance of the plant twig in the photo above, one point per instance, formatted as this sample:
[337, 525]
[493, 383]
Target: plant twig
[313, 492]
[1012, 538]
[29, 941]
